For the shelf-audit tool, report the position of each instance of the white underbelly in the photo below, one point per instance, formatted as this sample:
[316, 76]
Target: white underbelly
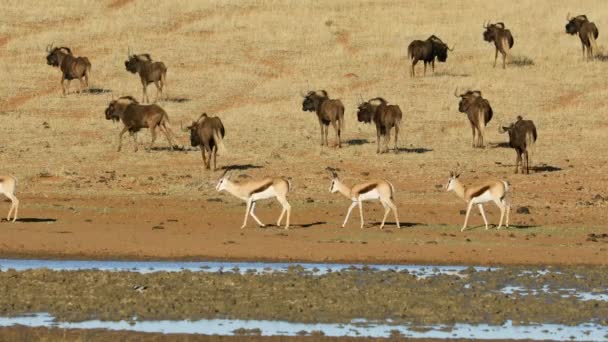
[268, 193]
[370, 195]
[483, 198]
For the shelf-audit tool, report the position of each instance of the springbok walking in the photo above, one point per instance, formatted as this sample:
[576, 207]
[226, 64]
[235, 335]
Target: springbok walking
[376, 190]
[8, 185]
[480, 193]
[253, 191]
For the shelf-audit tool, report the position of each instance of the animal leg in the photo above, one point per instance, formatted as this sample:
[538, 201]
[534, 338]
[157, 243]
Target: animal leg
[495, 56]
[378, 138]
[396, 138]
[387, 138]
[321, 125]
[159, 90]
[286, 209]
[124, 130]
[394, 208]
[483, 214]
[517, 162]
[473, 134]
[165, 131]
[424, 73]
[466, 218]
[134, 136]
[252, 213]
[153, 133]
[526, 167]
[500, 206]
[14, 206]
[249, 201]
[326, 135]
[361, 212]
[144, 92]
[214, 152]
[337, 130]
[350, 208]
[62, 84]
[504, 60]
[433, 65]
[204, 157]
[208, 148]
[386, 211]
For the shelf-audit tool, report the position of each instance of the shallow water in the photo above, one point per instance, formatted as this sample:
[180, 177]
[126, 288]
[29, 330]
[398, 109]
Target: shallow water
[221, 266]
[226, 327]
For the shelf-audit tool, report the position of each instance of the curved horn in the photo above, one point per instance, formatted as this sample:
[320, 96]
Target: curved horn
[485, 25]
[568, 17]
[324, 93]
[501, 130]
[452, 49]
[456, 92]
[361, 98]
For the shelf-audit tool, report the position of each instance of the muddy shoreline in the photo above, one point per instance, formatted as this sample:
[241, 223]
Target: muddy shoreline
[298, 296]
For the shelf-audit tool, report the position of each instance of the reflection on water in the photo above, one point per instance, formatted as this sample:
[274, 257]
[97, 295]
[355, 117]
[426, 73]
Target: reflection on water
[584, 332]
[221, 266]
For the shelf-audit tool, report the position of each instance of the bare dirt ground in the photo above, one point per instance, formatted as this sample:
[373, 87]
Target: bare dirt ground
[247, 62]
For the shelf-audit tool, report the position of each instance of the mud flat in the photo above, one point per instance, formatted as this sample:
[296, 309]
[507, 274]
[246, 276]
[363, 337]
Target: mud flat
[524, 296]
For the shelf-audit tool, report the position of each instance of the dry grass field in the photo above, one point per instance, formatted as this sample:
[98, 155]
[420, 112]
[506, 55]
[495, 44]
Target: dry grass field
[248, 62]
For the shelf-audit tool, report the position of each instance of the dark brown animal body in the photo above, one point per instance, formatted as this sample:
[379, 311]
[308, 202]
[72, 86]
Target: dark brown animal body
[208, 133]
[328, 112]
[71, 67]
[478, 111]
[522, 137]
[587, 32]
[149, 72]
[135, 116]
[427, 51]
[502, 38]
[385, 116]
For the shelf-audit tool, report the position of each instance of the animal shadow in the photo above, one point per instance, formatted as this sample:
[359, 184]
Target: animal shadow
[176, 99]
[175, 148]
[545, 168]
[308, 225]
[402, 224]
[357, 142]
[449, 74]
[499, 145]
[520, 226]
[96, 91]
[34, 220]
[414, 150]
[241, 167]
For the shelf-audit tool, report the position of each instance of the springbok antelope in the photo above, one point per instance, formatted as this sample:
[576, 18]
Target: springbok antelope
[8, 185]
[480, 193]
[253, 191]
[376, 190]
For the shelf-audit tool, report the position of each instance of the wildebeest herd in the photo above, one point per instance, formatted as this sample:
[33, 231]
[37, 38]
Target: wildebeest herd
[208, 132]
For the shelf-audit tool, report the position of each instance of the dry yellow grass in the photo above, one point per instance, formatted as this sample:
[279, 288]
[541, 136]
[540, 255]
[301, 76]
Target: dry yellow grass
[247, 61]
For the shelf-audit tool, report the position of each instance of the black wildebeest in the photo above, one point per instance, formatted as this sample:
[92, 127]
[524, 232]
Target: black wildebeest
[149, 72]
[427, 51]
[71, 67]
[522, 136]
[478, 111]
[208, 133]
[587, 32]
[136, 116]
[328, 111]
[385, 117]
[502, 38]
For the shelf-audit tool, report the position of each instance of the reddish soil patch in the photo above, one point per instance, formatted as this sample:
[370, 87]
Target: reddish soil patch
[116, 4]
[159, 227]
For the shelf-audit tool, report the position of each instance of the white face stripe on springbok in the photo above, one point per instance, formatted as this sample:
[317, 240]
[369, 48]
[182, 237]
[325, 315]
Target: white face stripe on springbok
[491, 190]
[8, 187]
[380, 190]
[253, 191]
